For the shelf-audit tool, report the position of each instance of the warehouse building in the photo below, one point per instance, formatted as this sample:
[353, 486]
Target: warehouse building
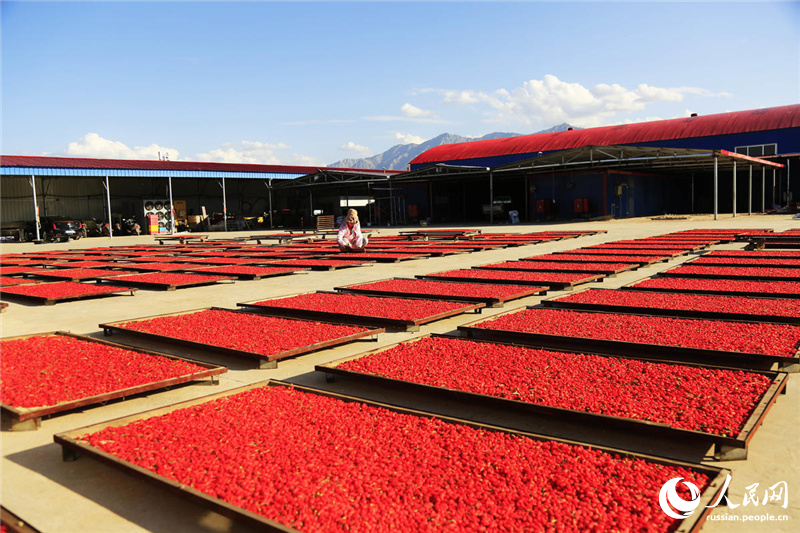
[740, 162]
[737, 162]
[216, 196]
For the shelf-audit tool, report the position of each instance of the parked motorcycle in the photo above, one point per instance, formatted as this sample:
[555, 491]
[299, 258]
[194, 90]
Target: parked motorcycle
[131, 227]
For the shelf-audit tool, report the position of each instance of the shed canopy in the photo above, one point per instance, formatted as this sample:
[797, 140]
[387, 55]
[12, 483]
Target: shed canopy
[81, 166]
[643, 132]
[587, 158]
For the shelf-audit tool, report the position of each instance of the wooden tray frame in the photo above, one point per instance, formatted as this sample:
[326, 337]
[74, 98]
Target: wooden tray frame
[636, 350]
[54, 300]
[487, 301]
[553, 285]
[264, 361]
[359, 320]
[726, 448]
[167, 286]
[554, 302]
[29, 418]
[72, 448]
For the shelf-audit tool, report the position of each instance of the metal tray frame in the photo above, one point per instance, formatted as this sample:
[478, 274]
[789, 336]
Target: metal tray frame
[695, 262]
[109, 274]
[641, 261]
[632, 286]
[72, 448]
[378, 259]
[743, 277]
[726, 448]
[356, 263]
[590, 251]
[359, 320]
[554, 302]
[167, 286]
[44, 300]
[487, 301]
[264, 361]
[29, 418]
[560, 267]
[244, 276]
[554, 285]
[636, 350]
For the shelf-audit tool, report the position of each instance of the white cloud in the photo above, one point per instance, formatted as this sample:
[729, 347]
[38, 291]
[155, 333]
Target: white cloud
[408, 138]
[253, 152]
[356, 149]
[551, 100]
[461, 97]
[93, 145]
[412, 111]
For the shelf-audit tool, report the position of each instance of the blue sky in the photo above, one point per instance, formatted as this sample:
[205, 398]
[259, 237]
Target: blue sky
[310, 83]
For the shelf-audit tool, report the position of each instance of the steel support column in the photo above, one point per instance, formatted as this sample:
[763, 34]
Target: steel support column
[269, 187]
[763, 189]
[716, 187]
[108, 203]
[750, 193]
[171, 208]
[491, 196]
[224, 205]
[774, 187]
[734, 189]
[36, 208]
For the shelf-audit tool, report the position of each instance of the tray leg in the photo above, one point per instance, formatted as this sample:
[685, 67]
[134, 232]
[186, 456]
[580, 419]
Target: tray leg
[790, 367]
[68, 455]
[12, 424]
[729, 453]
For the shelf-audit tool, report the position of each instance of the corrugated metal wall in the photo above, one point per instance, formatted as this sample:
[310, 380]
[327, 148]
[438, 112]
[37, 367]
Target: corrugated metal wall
[84, 198]
[80, 198]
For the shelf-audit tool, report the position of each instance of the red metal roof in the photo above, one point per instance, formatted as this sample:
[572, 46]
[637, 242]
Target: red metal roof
[642, 132]
[139, 164]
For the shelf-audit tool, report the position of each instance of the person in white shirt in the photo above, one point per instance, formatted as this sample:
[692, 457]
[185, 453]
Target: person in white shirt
[350, 237]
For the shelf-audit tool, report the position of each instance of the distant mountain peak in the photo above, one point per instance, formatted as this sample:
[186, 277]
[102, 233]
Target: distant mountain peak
[399, 156]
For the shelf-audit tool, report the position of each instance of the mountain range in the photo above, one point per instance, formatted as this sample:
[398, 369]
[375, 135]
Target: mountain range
[398, 157]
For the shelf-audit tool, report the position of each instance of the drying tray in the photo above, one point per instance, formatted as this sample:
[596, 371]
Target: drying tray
[28, 418]
[487, 301]
[633, 286]
[167, 286]
[264, 361]
[52, 300]
[666, 311]
[636, 350]
[336, 317]
[73, 448]
[553, 285]
[560, 267]
[726, 448]
[221, 270]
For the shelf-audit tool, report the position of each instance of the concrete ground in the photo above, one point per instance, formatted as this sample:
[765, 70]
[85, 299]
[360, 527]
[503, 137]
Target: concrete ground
[86, 496]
